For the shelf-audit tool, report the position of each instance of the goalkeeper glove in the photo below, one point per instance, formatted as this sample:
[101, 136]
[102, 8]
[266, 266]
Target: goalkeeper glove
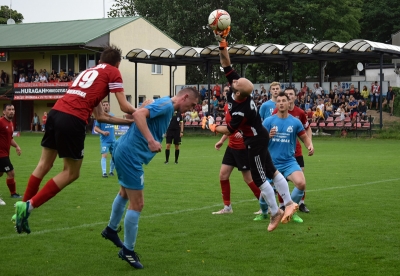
[208, 123]
[221, 37]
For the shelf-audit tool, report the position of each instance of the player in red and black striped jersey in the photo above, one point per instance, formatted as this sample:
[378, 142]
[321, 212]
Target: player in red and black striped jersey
[245, 118]
[6, 141]
[66, 130]
[235, 156]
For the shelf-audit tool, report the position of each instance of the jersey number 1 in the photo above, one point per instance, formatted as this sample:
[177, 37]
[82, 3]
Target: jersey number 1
[86, 78]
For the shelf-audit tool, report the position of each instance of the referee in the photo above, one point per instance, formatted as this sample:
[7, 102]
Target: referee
[174, 132]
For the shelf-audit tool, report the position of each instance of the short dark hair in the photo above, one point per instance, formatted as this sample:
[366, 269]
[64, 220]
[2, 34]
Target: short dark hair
[283, 94]
[7, 105]
[111, 55]
[288, 88]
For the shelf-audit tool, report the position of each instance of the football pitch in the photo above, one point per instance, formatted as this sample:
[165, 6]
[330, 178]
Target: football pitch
[353, 227]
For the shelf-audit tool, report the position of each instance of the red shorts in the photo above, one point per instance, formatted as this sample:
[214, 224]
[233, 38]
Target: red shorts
[354, 114]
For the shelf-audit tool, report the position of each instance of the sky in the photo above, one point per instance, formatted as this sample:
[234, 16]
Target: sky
[35, 11]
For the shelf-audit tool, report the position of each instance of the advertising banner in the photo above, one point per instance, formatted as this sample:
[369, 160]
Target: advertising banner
[40, 91]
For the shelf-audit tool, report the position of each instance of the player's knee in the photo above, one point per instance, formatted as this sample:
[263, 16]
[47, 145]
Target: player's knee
[301, 185]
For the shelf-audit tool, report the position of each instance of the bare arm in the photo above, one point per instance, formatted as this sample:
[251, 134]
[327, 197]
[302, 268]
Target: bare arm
[15, 145]
[124, 105]
[140, 117]
[219, 144]
[309, 132]
[223, 130]
[104, 117]
[98, 130]
[307, 142]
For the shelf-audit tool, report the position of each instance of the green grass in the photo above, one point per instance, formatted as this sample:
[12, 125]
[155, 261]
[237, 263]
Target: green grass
[352, 229]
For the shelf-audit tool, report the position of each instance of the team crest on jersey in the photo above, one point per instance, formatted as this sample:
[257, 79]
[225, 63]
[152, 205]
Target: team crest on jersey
[289, 129]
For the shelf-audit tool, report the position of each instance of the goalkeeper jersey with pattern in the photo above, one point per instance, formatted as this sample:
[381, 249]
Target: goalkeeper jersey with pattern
[244, 114]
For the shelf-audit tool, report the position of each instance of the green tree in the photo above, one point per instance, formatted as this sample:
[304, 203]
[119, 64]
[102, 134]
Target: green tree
[380, 20]
[253, 22]
[5, 15]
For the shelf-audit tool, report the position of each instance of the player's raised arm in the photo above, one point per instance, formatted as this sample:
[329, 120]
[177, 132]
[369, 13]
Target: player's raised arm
[221, 36]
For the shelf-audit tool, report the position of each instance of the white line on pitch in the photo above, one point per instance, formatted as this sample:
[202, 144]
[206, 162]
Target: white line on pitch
[182, 211]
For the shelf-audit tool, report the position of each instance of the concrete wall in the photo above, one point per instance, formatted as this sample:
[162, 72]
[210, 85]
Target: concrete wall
[141, 34]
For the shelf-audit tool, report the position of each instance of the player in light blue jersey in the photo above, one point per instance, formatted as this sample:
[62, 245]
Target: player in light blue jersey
[268, 107]
[137, 147]
[284, 129]
[107, 141]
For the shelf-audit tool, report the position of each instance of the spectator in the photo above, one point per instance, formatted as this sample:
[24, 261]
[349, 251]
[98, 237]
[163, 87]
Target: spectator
[43, 78]
[187, 116]
[308, 103]
[21, 78]
[44, 119]
[389, 100]
[215, 106]
[331, 94]
[353, 106]
[309, 113]
[194, 116]
[352, 90]
[341, 111]
[3, 78]
[357, 95]
[37, 79]
[336, 102]
[15, 74]
[336, 89]
[318, 115]
[216, 91]
[35, 122]
[375, 91]
[70, 73]
[204, 108]
[304, 89]
[221, 108]
[203, 91]
[318, 89]
[46, 73]
[328, 109]
[365, 93]
[362, 110]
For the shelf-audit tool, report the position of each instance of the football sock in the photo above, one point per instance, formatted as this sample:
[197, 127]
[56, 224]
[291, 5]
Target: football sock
[112, 166]
[49, 190]
[282, 187]
[166, 155]
[131, 225]
[297, 195]
[117, 211]
[280, 199]
[226, 191]
[269, 196]
[103, 164]
[254, 189]
[302, 199]
[263, 205]
[32, 188]
[176, 155]
[11, 185]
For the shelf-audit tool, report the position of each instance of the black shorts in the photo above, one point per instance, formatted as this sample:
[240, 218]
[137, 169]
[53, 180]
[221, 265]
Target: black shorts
[173, 135]
[300, 161]
[236, 158]
[5, 164]
[261, 165]
[65, 133]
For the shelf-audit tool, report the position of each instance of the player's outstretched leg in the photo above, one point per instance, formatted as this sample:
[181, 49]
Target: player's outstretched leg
[22, 214]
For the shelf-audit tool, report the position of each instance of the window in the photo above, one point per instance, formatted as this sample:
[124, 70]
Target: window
[128, 98]
[63, 62]
[88, 60]
[156, 69]
[142, 98]
[155, 97]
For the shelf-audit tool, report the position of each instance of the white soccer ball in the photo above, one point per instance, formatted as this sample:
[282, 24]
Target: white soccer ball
[219, 20]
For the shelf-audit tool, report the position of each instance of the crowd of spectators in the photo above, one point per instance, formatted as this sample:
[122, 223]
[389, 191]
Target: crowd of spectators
[43, 76]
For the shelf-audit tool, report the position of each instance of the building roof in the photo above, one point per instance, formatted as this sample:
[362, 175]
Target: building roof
[59, 34]
[356, 49]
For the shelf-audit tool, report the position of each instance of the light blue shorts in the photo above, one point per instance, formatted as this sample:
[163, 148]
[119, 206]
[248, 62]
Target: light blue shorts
[288, 168]
[130, 172]
[107, 147]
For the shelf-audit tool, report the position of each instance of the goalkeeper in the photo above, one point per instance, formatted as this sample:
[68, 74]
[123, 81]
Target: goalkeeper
[244, 117]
